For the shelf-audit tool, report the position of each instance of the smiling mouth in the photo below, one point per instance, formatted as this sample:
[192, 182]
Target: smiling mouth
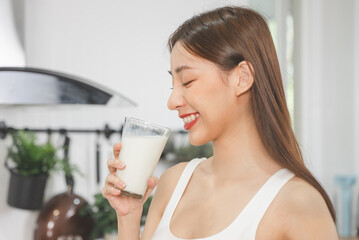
[190, 120]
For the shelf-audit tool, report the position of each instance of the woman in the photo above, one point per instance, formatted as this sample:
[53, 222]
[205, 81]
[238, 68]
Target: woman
[228, 89]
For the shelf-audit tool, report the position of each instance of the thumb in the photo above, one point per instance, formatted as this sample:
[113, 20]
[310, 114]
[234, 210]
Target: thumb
[151, 184]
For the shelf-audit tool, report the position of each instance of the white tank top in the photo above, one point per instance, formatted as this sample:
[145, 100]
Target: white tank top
[244, 227]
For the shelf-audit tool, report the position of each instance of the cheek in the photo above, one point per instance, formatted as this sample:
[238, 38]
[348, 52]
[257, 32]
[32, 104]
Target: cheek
[217, 100]
[204, 93]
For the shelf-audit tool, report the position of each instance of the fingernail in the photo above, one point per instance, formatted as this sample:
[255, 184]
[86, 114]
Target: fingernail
[122, 164]
[122, 185]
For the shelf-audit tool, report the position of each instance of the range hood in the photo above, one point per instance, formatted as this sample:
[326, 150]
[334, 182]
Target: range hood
[33, 86]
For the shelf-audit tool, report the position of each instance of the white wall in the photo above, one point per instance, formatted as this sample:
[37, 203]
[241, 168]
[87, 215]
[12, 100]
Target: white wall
[356, 87]
[12, 53]
[325, 85]
[326, 88]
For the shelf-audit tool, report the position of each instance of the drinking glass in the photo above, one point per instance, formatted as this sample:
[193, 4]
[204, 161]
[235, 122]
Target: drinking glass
[142, 146]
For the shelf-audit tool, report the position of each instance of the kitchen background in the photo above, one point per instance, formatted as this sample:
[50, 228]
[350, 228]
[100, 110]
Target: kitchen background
[122, 46]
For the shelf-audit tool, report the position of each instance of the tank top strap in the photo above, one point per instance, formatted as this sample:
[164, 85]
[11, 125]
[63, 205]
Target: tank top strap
[253, 213]
[179, 189]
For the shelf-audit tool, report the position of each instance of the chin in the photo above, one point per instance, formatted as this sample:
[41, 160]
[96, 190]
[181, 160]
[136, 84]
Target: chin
[197, 140]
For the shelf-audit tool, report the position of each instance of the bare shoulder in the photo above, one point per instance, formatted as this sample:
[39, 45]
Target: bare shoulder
[165, 188]
[170, 177]
[302, 198]
[167, 184]
[303, 212]
[174, 171]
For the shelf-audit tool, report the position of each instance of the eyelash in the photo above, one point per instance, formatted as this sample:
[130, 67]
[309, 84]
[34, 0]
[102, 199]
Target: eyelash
[184, 84]
[187, 83]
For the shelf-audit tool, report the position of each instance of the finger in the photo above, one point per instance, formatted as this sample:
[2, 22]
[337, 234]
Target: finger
[110, 191]
[114, 164]
[116, 150]
[151, 184]
[114, 181]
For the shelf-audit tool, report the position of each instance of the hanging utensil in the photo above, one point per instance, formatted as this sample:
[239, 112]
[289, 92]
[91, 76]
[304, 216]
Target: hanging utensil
[60, 217]
[98, 154]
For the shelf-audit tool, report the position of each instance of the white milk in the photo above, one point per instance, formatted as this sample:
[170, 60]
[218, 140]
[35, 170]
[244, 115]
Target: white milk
[141, 155]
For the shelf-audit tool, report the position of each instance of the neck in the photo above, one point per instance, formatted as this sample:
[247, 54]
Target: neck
[239, 152]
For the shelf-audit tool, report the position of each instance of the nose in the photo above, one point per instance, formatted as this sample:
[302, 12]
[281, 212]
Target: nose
[176, 100]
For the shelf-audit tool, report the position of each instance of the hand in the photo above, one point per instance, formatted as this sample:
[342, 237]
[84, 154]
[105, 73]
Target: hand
[123, 205]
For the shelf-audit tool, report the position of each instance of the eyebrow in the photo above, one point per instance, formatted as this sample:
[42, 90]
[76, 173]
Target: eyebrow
[180, 68]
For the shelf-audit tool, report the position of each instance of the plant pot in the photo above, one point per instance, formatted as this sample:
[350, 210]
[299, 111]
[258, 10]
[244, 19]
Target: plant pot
[26, 192]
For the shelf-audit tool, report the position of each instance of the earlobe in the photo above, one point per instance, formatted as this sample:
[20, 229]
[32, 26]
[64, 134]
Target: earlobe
[244, 78]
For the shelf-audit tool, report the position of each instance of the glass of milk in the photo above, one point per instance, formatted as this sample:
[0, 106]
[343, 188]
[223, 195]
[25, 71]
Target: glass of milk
[142, 146]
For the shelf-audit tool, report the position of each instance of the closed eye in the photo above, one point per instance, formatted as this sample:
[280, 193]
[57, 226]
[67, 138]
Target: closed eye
[187, 83]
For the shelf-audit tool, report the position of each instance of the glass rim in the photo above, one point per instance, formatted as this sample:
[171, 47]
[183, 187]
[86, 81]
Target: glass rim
[147, 123]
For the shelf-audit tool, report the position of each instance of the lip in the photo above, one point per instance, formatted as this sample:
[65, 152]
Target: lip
[187, 114]
[187, 126]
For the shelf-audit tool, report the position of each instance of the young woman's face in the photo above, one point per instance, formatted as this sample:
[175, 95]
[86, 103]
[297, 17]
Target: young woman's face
[201, 95]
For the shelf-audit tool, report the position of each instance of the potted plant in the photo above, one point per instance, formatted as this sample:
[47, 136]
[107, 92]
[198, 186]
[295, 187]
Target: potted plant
[30, 164]
[105, 219]
[103, 215]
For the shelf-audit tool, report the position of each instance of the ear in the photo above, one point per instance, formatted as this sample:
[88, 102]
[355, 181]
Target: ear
[242, 78]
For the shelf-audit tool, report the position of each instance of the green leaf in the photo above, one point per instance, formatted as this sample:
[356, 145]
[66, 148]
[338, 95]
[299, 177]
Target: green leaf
[104, 216]
[32, 158]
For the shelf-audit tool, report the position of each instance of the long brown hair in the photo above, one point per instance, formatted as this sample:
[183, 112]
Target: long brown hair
[229, 35]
